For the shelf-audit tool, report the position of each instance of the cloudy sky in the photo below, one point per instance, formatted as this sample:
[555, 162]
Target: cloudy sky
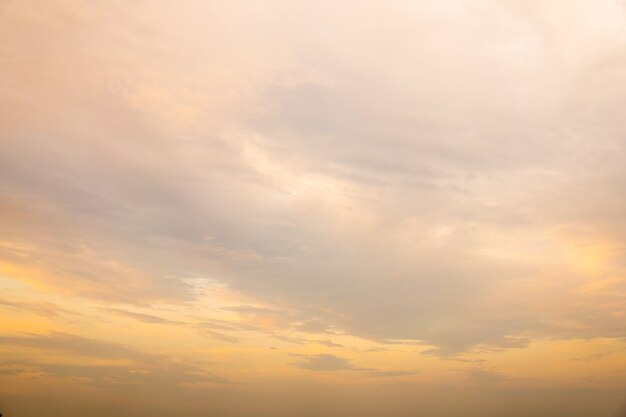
[303, 208]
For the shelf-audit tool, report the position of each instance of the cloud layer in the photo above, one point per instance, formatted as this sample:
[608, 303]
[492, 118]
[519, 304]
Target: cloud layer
[446, 176]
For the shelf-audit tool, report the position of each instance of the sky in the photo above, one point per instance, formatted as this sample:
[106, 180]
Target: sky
[312, 208]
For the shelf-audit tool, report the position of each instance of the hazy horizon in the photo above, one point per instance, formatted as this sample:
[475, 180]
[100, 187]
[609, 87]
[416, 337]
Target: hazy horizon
[312, 208]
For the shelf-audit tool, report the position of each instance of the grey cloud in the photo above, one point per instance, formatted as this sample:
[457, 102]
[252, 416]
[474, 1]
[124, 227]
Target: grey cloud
[219, 336]
[214, 329]
[289, 339]
[119, 376]
[329, 343]
[376, 350]
[144, 368]
[146, 318]
[77, 345]
[225, 325]
[328, 362]
[39, 308]
[324, 362]
[595, 356]
[313, 326]
[304, 341]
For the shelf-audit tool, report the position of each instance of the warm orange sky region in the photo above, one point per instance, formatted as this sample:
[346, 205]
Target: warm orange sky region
[313, 208]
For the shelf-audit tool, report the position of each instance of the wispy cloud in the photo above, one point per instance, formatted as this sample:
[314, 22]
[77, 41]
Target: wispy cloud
[128, 367]
[40, 308]
[146, 318]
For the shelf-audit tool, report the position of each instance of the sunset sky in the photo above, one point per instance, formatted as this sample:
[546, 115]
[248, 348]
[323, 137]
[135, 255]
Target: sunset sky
[312, 208]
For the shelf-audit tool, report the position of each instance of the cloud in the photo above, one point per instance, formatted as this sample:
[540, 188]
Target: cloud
[40, 308]
[126, 366]
[215, 328]
[77, 345]
[347, 181]
[443, 180]
[328, 362]
[313, 326]
[328, 343]
[217, 335]
[115, 375]
[146, 318]
[596, 356]
[324, 362]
